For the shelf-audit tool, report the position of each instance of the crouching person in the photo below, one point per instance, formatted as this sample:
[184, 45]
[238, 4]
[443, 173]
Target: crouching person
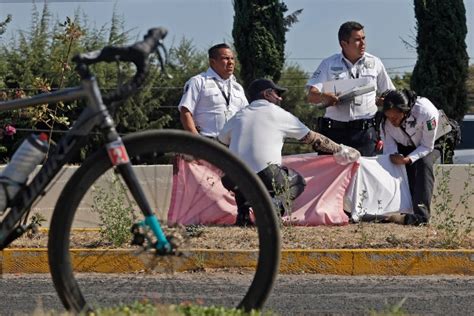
[256, 134]
[409, 133]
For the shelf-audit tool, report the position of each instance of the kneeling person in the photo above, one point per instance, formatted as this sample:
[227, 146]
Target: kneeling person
[256, 134]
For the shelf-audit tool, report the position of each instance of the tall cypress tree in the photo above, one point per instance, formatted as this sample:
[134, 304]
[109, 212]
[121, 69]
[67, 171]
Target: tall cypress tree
[441, 70]
[259, 38]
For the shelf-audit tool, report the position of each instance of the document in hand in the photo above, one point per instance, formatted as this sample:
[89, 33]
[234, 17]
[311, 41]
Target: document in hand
[349, 88]
[354, 92]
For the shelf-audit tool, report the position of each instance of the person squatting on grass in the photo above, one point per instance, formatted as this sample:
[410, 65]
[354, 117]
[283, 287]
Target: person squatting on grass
[256, 134]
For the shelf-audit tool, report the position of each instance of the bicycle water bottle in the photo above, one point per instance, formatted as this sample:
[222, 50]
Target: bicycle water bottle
[30, 154]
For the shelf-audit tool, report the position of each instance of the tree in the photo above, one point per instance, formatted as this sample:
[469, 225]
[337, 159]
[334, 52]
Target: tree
[38, 59]
[259, 37]
[441, 70]
[3, 25]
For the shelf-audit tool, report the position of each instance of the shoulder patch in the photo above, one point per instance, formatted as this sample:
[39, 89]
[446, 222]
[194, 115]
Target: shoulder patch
[186, 87]
[431, 124]
[316, 74]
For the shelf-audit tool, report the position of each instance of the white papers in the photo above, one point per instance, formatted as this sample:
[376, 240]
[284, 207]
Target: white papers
[349, 88]
[354, 92]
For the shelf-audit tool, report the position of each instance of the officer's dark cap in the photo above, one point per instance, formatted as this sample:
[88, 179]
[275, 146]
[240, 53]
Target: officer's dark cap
[259, 85]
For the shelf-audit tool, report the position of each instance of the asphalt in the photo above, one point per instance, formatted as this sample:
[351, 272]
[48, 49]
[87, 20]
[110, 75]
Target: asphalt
[389, 262]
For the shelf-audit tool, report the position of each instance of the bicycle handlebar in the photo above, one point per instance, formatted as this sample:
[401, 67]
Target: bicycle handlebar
[137, 54]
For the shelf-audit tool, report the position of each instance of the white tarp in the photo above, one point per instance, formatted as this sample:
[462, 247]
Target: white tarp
[379, 187]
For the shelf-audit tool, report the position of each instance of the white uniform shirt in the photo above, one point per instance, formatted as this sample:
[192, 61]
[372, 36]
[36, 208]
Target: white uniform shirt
[203, 97]
[256, 133]
[421, 125]
[337, 67]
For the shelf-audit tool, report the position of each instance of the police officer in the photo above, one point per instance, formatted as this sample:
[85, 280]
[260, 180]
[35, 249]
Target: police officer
[256, 134]
[409, 130]
[350, 122]
[212, 97]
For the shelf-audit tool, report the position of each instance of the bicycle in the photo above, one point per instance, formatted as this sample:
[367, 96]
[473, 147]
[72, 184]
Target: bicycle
[120, 155]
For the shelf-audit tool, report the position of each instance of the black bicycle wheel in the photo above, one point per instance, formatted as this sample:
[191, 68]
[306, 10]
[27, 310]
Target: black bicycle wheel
[76, 209]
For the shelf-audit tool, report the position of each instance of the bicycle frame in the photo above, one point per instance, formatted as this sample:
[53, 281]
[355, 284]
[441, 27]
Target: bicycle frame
[94, 115]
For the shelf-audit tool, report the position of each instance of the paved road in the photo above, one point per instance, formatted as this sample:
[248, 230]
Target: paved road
[292, 295]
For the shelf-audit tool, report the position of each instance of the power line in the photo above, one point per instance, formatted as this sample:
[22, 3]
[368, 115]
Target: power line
[382, 58]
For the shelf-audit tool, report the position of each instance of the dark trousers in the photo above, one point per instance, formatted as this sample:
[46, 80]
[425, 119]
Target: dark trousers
[359, 134]
[421, 182]
[283, 183]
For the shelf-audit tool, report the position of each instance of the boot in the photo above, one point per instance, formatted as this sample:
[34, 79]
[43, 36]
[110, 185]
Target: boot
[243, 218]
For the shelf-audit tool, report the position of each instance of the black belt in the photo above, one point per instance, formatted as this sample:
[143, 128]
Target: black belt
[210, 137]
[356, 124]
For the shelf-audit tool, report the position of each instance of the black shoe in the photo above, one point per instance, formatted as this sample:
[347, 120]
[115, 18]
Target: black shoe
[415, 220]
[243, 218]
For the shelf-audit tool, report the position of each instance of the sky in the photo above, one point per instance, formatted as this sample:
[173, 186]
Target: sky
[206, 22]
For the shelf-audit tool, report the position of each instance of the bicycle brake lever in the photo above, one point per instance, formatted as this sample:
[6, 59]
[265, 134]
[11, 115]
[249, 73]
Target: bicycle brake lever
[162, 61]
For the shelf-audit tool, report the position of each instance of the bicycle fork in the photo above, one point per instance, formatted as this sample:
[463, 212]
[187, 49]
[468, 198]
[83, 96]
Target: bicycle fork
[119, 157]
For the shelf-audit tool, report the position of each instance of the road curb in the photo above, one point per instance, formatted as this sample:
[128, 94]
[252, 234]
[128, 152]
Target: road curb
[332, 261]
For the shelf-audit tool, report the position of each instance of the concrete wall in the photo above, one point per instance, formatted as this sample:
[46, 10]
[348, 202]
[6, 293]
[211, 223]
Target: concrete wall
[459, 179]
[157, 183]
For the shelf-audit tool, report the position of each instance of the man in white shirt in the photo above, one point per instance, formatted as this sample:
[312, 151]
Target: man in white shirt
[211, 98]
[351, 122]
[256, 134]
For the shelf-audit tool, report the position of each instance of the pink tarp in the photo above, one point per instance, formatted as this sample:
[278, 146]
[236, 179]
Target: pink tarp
[198, 196]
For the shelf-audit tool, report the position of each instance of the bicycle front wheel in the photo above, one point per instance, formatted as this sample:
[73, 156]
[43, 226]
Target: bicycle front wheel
[96, 197]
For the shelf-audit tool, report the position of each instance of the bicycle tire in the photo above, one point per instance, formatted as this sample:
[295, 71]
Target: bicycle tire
[164, 141]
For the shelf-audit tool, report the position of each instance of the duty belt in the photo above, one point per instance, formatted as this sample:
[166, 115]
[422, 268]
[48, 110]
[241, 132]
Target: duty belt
[356, 124]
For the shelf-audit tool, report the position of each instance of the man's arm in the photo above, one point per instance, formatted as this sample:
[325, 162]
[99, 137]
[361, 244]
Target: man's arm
[315, 96]
[321, 142]
[187, 120]
[342, 154]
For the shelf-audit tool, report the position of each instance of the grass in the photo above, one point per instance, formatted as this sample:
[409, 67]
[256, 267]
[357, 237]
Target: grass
[148, 309]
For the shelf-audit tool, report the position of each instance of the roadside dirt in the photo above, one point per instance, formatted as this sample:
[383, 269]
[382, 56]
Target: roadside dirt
[362, 235]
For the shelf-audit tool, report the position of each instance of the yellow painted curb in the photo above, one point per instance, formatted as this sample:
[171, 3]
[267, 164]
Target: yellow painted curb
[332, 261]
[378, 261]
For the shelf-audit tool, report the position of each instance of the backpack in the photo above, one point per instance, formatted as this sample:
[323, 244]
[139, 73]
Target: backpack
[450, 138]
[455, 132]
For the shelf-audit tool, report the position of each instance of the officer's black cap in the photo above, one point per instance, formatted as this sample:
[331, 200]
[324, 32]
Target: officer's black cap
[259, 85]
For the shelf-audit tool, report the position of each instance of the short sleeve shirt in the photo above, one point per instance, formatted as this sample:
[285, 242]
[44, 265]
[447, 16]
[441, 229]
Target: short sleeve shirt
[256, 134]
[337, 67]
[420, 126]
[205, 97]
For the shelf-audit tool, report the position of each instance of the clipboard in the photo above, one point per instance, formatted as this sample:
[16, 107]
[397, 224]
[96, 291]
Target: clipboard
[354, 92]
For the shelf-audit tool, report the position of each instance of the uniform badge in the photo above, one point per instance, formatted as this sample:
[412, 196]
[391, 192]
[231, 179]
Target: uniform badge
[431, 124]
[369, 63]
[411, 124]
[210, 85]
[337, 69]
